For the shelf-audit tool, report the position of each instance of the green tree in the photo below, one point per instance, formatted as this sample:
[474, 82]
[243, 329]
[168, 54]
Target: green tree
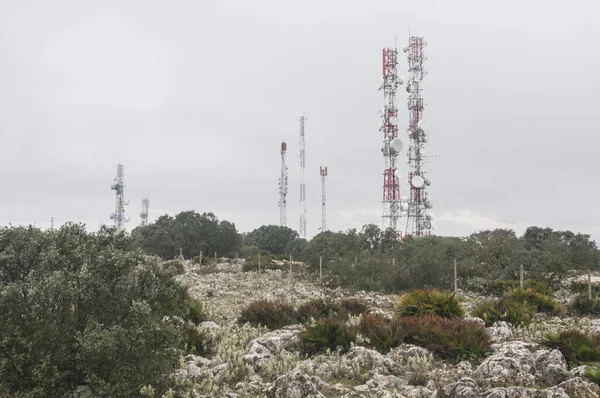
[272, 238]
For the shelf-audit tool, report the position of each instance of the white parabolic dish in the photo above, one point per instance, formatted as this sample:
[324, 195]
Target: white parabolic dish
[396, 145]
[417, 181]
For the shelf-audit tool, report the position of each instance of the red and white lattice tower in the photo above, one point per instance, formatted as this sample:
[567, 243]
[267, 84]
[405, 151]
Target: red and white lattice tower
[283, 188]
[391, 144]
[323, 174]
[118, 186]
[418, 221]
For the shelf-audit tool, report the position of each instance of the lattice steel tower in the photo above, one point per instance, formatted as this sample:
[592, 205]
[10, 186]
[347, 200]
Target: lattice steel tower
[391, 144]
[118, 186]
[144, 213]
[283, 188]
[323, 173]
[418, 221]
[302, 229]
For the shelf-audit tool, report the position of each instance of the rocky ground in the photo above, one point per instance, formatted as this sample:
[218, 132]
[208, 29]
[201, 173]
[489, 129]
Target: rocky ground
[247, 361]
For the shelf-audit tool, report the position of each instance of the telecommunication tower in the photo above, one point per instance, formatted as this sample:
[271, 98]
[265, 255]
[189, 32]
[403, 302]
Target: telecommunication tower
[302, 229]
[283, 188]
[120, 203]
[418, 221]
[392, 145]
[144, 213]
[323, 173]
[52, 224]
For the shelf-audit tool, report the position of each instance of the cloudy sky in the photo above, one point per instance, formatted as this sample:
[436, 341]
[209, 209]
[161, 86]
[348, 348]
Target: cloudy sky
[194, 98]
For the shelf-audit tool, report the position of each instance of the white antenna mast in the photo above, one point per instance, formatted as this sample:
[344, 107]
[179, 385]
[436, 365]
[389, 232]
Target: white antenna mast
[283, 188]
[118, 186]
[323, 173]
[302, 229]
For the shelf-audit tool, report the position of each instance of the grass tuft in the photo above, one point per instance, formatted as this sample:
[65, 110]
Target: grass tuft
[324, 334]
[577, 347]
[272, 314]
[433, 302]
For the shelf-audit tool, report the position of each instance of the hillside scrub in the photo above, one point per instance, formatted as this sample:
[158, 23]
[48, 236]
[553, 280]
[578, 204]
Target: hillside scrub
[82, 308]
[433, 302]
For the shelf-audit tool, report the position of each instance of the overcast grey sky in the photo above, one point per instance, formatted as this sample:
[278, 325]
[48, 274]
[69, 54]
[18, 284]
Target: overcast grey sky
[194, 98]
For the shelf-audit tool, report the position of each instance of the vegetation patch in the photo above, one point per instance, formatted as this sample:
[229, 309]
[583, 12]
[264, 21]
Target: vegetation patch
[268, 262]
[272, 314]
[539, 301]
[583, 305]
[433, 302]
[511, 311]
[577, 347]
[383, 334]
[500, 287]
[326, 333]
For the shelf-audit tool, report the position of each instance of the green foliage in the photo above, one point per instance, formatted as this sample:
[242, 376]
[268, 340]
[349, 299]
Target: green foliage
[266, 262]
[540, 302]
[577, 347]
[197, 342]
[322, 308]
[592, 373]
[81, 308]
[248, 251]
[421, 302]
[502, 286]
[190, 231]
[326, 333]
[382, 333]
[450, 338]
[511, 311]
[272, 314]
[583, 305]
[582, 287]
[272, 238]
[351, 306]
[193, 311]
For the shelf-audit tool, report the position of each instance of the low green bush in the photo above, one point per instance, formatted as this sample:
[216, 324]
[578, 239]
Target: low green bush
[326, 333]
[272, 314]
[315, 308]
[383, 334]
[351, 306]
[592, 373]
[266, 262]
[582, 287]
[450, 338]
[500, 287]
[433, 302]
[539, 301]
[577, 347]
[193, 311]
[511, 311]
[583, 305]
[206, 261]
[173, 267]
[196, 342]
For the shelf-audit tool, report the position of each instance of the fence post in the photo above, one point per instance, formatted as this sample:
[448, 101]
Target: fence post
[200, 263]
[455, 277]
[215, 257]
[521, 280]
[320, 267]
[354, 260]
[258, 263]
[590, 285]
[290, 265]
[393, 261]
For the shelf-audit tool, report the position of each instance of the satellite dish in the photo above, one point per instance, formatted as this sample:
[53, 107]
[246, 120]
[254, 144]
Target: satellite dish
[404, 206]
[381, 82]
[396, 145]
[401, 79]
[422, 125]
[417, 181]
[398, 173]
[427, 182]
[428, 205]
[380, 112]
[408, 88]
[404, 199]
[405, 48]
[394, 121]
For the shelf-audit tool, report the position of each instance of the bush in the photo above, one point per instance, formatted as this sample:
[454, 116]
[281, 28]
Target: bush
[193, 311]
[583, 305]
[593, 374]
[500, 287]
[326, 333]
[582, 287]
[383, 334]
[206, 261]
[351, 306]
[511, 311]
[577, 347]
[266, 262]
[539, 301]
[315, 308]
[433, 302]
[451, 338]
[196, 342]
[174, 267]
[273, 315]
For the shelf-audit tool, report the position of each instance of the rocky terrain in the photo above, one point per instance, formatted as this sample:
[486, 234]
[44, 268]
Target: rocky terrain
[247, 361]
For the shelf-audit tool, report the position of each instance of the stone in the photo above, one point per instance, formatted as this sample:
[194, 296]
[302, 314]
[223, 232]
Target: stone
[500, 332]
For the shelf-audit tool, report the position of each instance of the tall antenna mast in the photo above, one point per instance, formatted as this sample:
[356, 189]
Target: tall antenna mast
[120, 203]
[144, 213]
[392, 145]
[323, 173]
[418, 222]
[52, 224]
[302, 229]
[283, 188]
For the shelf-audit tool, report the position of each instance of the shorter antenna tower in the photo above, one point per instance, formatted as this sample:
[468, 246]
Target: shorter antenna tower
[118, 186]
[283, 188]
[302, 230]
[144, 213]
[323, 173]
[52, 224]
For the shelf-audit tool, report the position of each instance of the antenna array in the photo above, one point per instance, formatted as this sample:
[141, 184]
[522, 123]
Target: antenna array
[323, 173]
[302, 229]
[418, 221]
[283, 188]
[144, 213]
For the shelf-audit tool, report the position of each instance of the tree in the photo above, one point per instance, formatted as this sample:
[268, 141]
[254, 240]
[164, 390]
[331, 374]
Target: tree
[272, 238]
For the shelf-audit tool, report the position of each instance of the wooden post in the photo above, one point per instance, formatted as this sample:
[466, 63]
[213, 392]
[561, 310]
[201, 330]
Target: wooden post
[215, 257]
[180, 253]
[393, 262]
[455, 277]
[258, 263]
[236, 257]
[320, 267]
[290, 264]
[200, 258]
[354, 260]
[590, 285]
[521, 280]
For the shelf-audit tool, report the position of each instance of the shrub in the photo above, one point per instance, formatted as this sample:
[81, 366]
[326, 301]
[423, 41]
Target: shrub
[511, 311]
[582, 287]
[315, 308]
[539, 301]
[326, 333]
[193, 311]
[174, 267]
[500, 287]
[206, 260]
[196, 342]
[577, 347]
[351, 306]
[273, 315]
[450, 338]
[266, 262]
[421, 302]
[593, 374]
[583, 305]
[382, 333]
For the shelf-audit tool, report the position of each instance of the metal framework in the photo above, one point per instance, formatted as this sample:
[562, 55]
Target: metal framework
[418, 221]
[323, 173]
[391, 145]
[302, 229]
[283, 188]
[118, 186]
[144, 213]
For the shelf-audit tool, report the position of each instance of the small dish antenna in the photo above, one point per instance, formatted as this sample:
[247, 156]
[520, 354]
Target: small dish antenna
[380, 112]
[404, 199]
[381, 82]
[404, 206]
[405, 48]
[401, 79]
[396, 145]
[427, 182]
[394, 121]
[398, 174]
[417, 181]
